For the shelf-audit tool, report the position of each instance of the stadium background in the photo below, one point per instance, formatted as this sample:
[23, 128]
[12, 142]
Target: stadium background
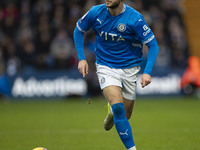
[37, 50]
[44, 101]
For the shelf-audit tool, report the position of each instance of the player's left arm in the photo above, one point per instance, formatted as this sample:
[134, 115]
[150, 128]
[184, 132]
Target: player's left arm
[146, 36]
[152, 55]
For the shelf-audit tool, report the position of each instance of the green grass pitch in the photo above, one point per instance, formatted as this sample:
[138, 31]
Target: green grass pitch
[158, 124]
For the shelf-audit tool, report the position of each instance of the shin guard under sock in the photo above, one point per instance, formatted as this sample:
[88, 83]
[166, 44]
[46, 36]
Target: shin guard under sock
[122, 125]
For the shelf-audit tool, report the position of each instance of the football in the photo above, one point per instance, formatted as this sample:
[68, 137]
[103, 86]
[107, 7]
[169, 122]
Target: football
[39, 148]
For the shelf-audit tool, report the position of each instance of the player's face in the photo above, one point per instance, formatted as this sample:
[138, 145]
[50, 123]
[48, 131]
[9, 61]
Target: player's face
[112, 3]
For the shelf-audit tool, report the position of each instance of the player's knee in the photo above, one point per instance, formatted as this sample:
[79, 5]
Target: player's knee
[112, 99]
[118, 110]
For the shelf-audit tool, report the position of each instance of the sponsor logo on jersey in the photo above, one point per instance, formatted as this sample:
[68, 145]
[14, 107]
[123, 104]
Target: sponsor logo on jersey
[112, 36]
[121, 27]
[146, 29]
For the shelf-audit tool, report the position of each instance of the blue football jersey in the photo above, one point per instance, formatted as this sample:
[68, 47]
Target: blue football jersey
[119, 39]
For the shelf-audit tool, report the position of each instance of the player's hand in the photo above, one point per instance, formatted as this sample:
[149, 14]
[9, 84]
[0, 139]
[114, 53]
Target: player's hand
[83, 67]
[145, 80]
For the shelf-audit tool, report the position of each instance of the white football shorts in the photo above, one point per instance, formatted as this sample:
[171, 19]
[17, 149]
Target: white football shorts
[124, 78]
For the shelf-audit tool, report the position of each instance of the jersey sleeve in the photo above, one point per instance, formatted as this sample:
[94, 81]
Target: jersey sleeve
[85, 23]
[143, 31]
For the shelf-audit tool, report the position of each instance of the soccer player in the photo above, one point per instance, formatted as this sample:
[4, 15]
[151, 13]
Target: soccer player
[120, 33]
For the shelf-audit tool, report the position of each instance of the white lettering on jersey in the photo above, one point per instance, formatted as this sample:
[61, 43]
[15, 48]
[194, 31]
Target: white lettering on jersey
[145, 33]
[113, 36]
[146, 29]
[101, 33]
[120, 38]
[106, 37]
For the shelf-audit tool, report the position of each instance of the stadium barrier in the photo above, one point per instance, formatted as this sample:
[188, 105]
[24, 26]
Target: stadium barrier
[61, 84]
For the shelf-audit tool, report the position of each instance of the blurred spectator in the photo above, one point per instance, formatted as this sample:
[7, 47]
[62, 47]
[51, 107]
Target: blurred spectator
[12, 62]
[10, 19]
[24, 31]
[62, 49]
[1, 17]
[27, 53]
[58, 17]
[178, 42]
[11, 11]
[25, 11]
[1, 62]
[42, 6]
[43, 42]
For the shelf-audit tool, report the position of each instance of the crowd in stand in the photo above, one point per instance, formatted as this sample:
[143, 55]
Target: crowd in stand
[39, 33]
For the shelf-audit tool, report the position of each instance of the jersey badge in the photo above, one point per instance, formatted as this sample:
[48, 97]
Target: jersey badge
[121, 27]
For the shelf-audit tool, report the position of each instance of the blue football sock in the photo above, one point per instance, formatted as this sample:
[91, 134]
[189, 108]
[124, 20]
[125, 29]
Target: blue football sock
[122, 125]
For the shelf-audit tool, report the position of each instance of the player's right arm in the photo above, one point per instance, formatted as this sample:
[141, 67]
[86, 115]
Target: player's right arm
[82, 26]
[83, 67]
[79, 44]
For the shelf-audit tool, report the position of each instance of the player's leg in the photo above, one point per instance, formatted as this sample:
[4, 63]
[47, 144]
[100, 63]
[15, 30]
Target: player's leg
[109, 95]
[128, 93]
[129, 105]
[109, 120]
[108, 77]
[129, 89]
[129, 78]
[113, 94]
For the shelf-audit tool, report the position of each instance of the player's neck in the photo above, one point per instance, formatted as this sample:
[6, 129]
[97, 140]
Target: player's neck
[116, 11]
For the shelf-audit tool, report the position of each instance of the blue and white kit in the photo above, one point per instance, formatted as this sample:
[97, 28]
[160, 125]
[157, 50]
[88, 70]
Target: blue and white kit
[119, 39]
[119, 43]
